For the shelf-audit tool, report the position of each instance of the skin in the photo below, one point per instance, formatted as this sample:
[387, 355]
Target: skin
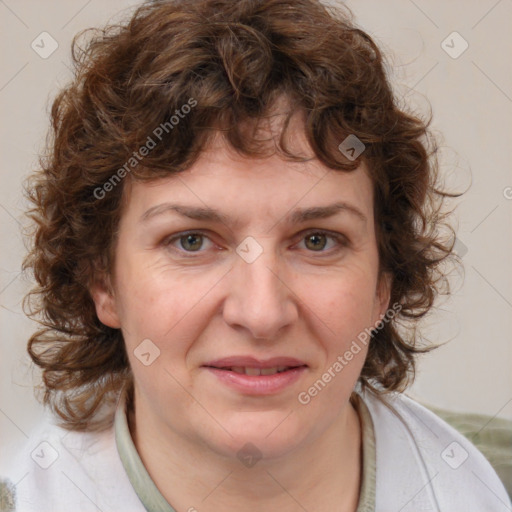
[291, 301]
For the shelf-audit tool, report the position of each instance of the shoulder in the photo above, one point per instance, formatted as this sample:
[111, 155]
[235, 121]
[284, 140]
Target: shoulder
[7, 495]
[433, 466]
[63, 470]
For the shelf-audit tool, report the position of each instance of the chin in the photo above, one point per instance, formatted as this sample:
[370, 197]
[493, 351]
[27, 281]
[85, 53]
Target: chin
[265, 433]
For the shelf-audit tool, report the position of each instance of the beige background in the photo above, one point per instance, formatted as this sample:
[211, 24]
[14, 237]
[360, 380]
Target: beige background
[471, 98]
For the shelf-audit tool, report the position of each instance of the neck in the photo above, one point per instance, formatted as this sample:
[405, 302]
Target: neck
[324, 474]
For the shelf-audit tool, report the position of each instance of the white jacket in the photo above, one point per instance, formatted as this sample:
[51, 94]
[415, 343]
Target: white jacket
[422, 464]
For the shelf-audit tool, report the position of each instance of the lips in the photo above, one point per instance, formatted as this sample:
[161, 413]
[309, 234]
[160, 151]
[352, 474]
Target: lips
[257, 377]
[252, 366]
[248, 370]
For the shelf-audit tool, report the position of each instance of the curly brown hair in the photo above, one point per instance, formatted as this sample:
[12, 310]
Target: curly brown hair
[233, 59]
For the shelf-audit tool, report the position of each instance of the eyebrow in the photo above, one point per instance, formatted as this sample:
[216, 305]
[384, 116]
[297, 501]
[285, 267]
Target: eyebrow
[295, 217]
[324, 212]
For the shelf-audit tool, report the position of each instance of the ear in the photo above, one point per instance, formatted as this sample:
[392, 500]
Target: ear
[105, 302]
[383, 295]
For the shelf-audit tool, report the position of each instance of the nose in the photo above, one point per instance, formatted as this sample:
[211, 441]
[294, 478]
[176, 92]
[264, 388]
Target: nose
[260, 297]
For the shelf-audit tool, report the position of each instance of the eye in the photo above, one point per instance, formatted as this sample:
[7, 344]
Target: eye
[317, 241]
[191, 242]
[188, 242]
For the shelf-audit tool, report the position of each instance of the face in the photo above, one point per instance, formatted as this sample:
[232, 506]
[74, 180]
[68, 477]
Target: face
[247, 279]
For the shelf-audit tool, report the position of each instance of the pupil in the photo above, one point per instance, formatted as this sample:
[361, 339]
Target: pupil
[316, 238]
[189, 241]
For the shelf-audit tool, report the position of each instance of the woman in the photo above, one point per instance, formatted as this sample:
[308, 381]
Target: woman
[237, 231]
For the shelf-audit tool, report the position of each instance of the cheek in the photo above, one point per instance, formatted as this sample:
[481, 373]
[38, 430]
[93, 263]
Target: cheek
[160, 305]
[171, 314]
[344, 303]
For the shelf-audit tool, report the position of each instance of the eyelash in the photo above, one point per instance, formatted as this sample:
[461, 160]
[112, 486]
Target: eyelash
[340, 240]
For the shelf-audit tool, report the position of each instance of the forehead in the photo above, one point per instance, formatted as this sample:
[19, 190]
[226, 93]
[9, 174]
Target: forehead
[257, 194]
[270, 186]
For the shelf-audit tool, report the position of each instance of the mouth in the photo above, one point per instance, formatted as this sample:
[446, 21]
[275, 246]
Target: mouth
[255, 371]
[253, 377]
